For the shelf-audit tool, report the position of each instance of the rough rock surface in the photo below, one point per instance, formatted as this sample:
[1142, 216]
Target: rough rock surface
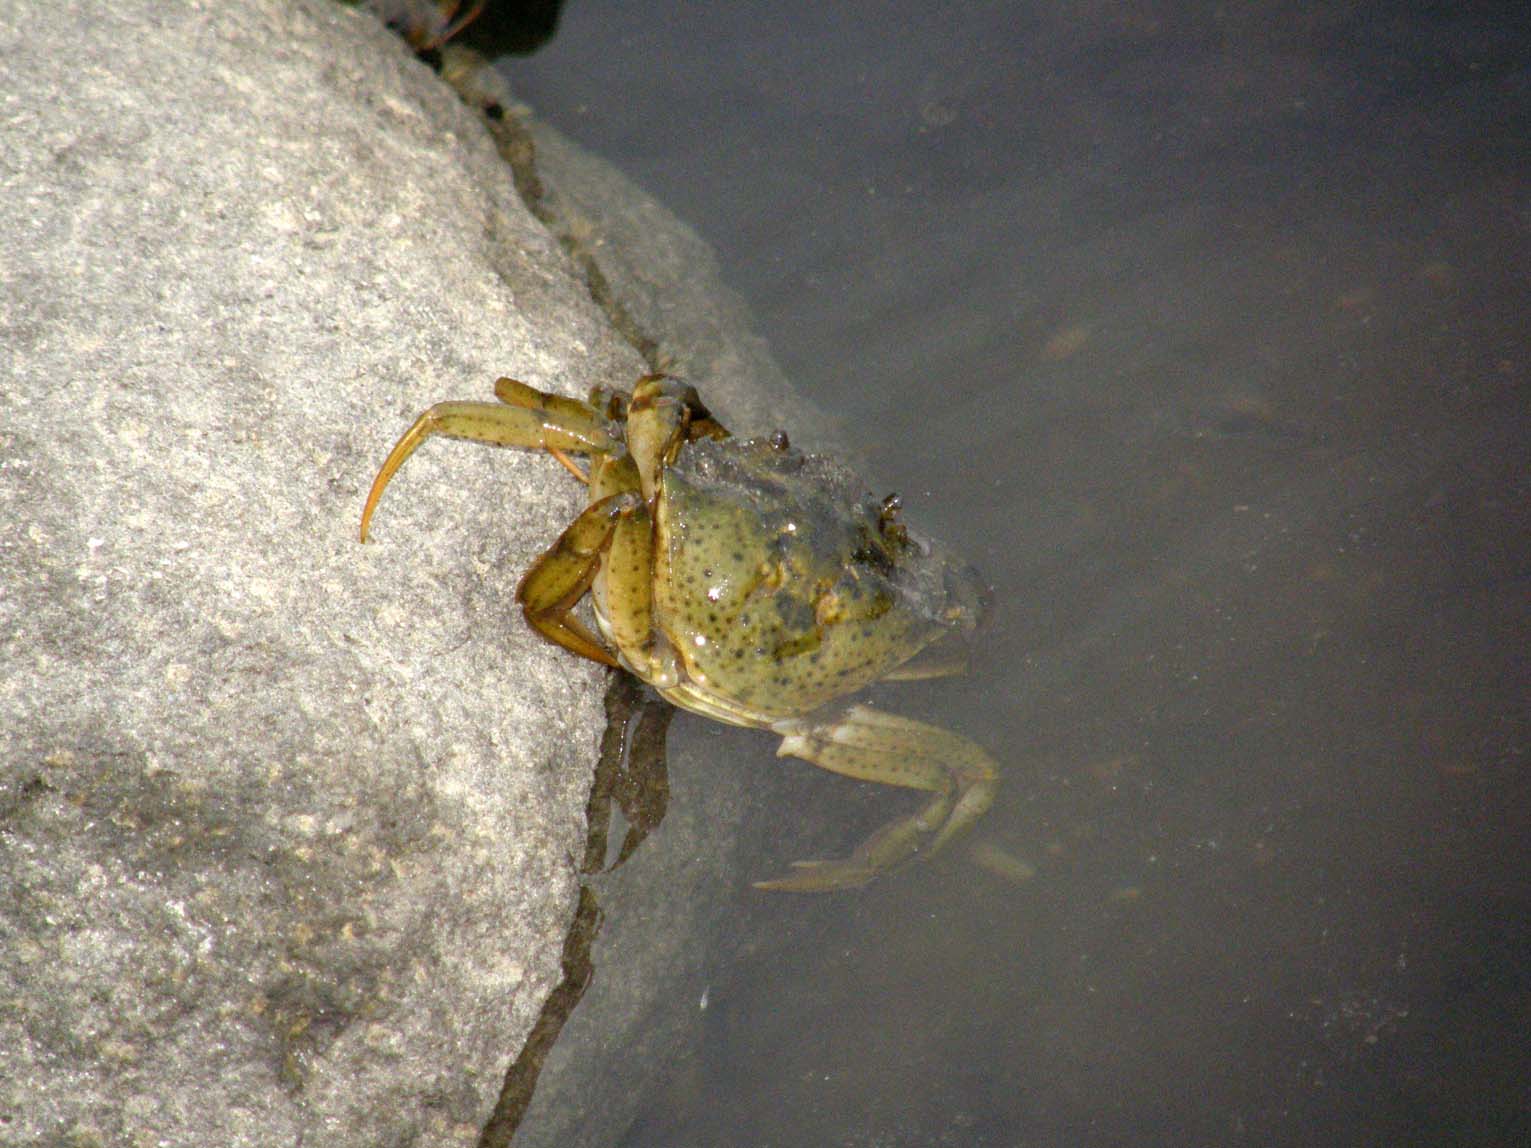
[287, 824]
[668, 283]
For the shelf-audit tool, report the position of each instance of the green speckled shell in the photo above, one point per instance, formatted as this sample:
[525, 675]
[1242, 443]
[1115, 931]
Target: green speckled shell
[779, 582]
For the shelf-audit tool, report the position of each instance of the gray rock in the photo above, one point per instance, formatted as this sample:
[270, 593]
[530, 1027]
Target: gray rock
[669, 285]
[660, 281]
[287, 824]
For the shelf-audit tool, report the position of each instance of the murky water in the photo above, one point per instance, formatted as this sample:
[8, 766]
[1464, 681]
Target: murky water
[1202, 329]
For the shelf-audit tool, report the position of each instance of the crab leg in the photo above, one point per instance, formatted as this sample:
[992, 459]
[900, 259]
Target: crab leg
[524, 417]
[873, 746]
[560, 577]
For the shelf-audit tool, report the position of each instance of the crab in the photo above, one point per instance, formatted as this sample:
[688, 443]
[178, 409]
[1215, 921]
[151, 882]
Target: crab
[748, 582]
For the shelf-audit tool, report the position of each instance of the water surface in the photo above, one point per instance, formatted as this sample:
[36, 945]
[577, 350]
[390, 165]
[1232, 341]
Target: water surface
[1202, 329]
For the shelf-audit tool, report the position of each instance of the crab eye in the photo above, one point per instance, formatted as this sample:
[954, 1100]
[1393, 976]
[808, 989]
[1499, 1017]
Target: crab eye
[779, 441]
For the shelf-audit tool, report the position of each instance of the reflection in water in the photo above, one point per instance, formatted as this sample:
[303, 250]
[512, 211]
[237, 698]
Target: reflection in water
[1220, 313]
[631, 772]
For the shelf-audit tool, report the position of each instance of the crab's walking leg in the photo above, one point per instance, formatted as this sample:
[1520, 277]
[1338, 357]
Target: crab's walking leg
[555, 424]
[875, 746]
[564, 572]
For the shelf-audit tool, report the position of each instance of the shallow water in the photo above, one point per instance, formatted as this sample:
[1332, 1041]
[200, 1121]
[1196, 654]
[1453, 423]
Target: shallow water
[1202, 330]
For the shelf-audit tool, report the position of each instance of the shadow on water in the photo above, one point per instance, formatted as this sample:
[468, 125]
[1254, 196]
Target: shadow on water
[1201, 329]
